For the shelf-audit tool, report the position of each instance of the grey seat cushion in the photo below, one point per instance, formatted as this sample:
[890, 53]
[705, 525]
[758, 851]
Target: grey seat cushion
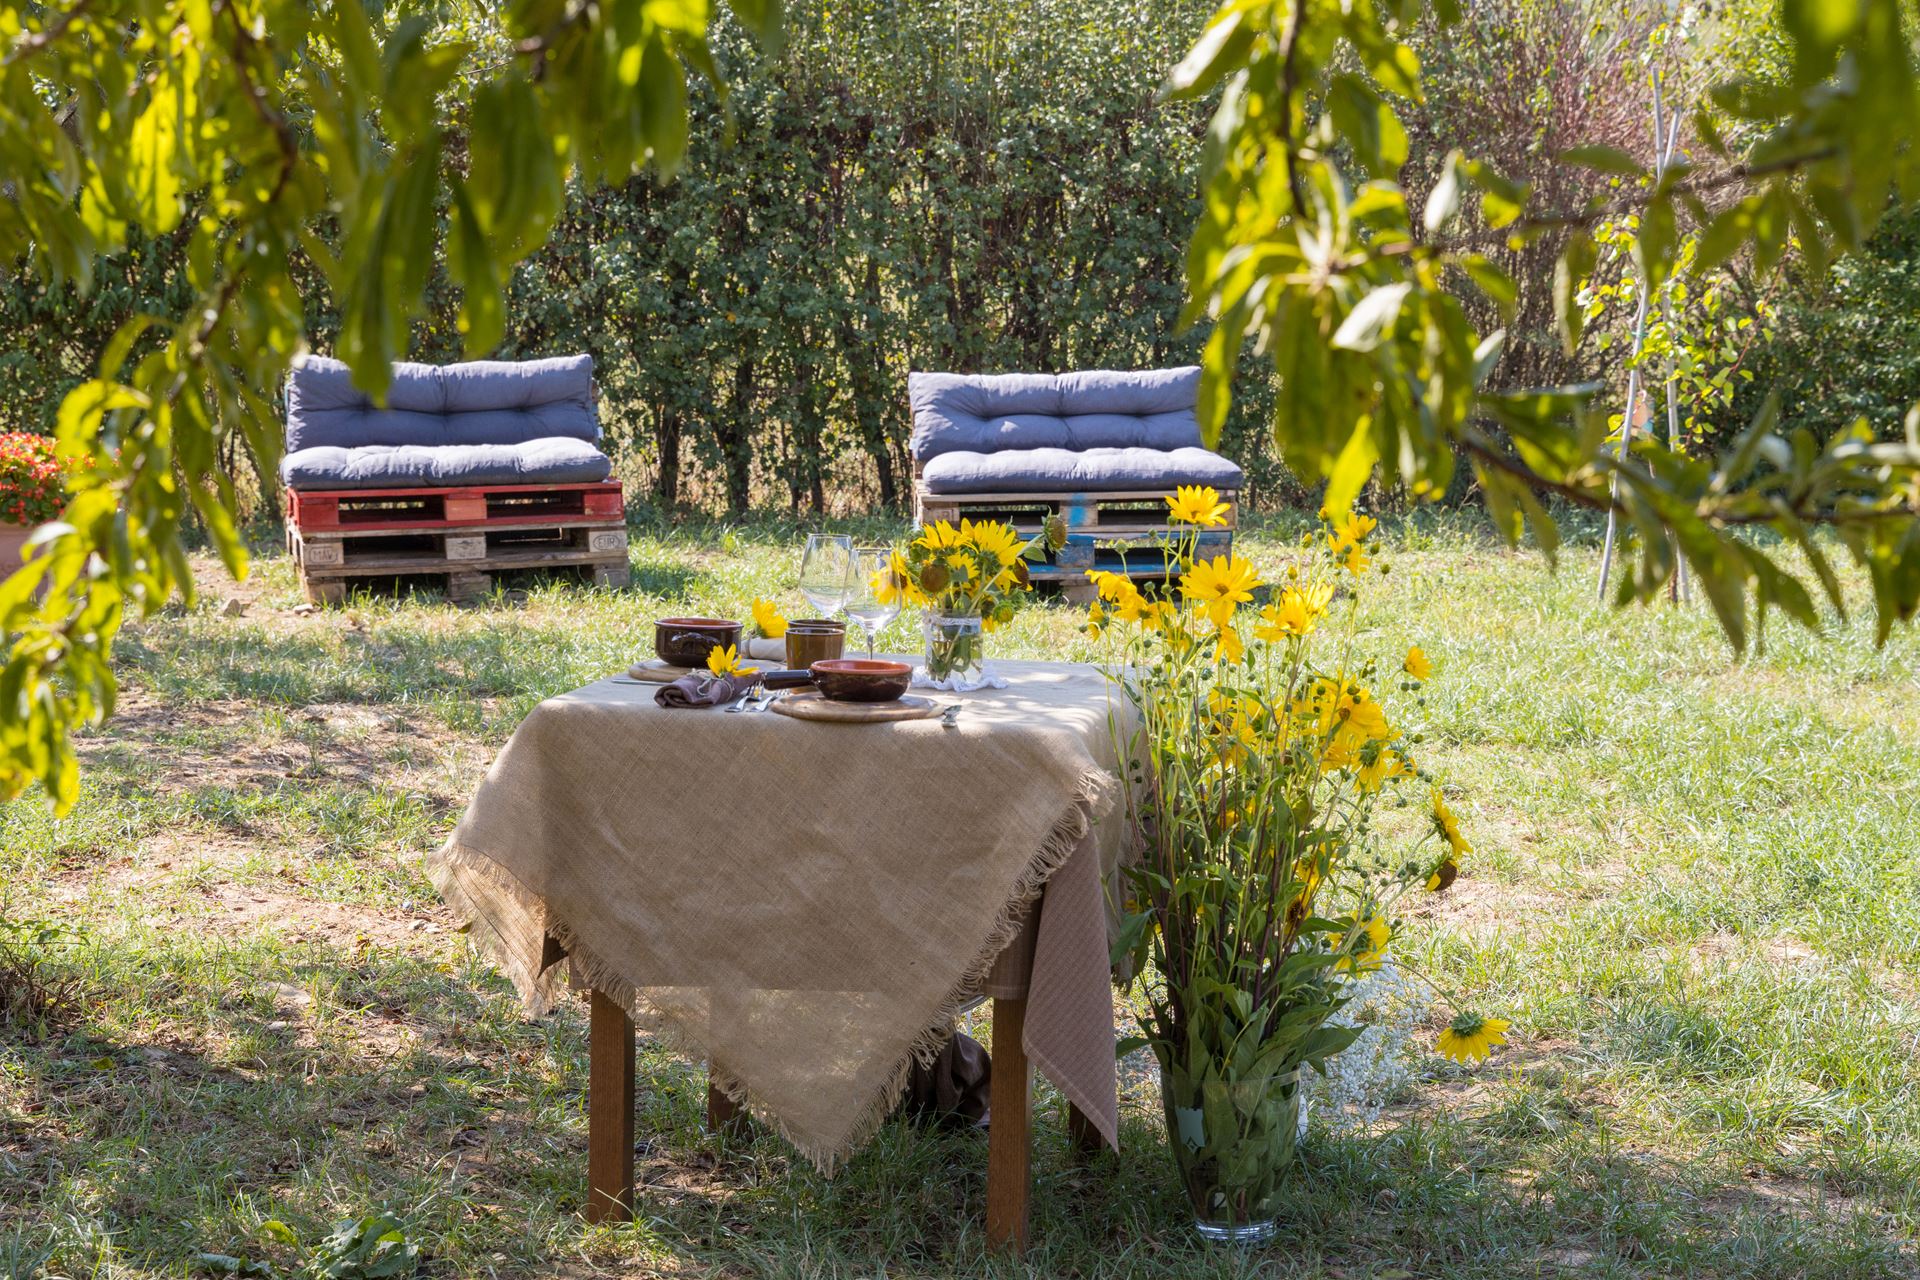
[1077, 470]
[1099, 429]
[560, 460]
[482, 422]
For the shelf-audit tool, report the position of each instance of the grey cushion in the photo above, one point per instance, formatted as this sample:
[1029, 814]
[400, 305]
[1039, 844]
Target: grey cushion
[1094, 409]
[560, 460]
[483, 402]
[1099, 430]
[1098, 470]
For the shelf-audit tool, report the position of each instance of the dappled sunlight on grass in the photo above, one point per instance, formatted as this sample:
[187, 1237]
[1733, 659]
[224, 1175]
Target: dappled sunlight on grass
[1693, 889]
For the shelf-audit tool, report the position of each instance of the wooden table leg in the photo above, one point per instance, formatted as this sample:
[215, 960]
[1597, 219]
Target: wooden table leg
[726, 1117]
[609, 1111]
[1010, 1137]
[1082, 1138]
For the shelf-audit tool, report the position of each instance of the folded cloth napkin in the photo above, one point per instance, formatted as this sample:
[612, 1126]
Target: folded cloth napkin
[703, 689]
[923, 679]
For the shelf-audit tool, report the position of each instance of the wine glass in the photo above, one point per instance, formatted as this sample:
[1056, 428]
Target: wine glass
[826, 572]
[873, 602]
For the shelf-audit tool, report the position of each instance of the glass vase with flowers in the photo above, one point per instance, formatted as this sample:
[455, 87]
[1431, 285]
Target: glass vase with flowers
[967, 578]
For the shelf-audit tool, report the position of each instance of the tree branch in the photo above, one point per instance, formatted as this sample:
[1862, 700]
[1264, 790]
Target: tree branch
[32, 43]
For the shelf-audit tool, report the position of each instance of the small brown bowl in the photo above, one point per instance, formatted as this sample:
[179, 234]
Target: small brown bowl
[861, 679]
[686, 642]
[811, 640]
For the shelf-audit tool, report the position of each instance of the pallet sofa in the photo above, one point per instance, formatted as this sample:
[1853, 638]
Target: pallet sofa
[467, 470]
[1102, 449]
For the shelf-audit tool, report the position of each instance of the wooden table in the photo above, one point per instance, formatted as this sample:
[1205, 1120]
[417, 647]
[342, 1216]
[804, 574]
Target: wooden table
[610, 1131]
[532, 857]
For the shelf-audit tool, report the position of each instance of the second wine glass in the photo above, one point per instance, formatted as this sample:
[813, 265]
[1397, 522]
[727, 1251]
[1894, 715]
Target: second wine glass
[827, 572]
[874, 601]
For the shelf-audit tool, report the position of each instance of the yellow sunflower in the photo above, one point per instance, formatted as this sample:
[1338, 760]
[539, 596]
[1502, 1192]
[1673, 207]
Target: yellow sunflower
[767, 619]
[1387, 764]
[1471, 1038]
[724, 660]
[1417, 665]
[1131, 606]
[1354, 559]
[1220, 586]
[898, 582]
[1447, 826]
[995, 538]
[939, 536]
[1295, 613]
[1369, 942]
[1197, 504]
[1110, 585]
[1231, 647]
[1351, 532]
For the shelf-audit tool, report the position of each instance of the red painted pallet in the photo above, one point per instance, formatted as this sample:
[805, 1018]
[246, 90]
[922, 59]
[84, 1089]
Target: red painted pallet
[313, 510]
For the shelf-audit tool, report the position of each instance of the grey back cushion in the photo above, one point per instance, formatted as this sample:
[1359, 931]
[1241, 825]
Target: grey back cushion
[481, 402]
[1092, 409]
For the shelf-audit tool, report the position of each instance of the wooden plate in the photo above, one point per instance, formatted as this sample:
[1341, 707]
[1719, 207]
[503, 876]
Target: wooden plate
[813, 706]
[654, 671]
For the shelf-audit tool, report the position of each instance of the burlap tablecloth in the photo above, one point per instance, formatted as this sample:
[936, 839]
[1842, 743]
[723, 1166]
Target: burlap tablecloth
[809, 905]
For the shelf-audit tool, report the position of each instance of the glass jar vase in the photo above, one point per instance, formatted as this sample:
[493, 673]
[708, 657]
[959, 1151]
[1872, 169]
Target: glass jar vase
[956, 651]
[1233, 1143]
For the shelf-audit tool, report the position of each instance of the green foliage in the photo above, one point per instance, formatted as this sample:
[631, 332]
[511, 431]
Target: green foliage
[1700, 329]
[1312, 248]
[36, 988]
[1710, 979]
[373, 1247]
[261, 135]
[960, 186]
[1847, 342]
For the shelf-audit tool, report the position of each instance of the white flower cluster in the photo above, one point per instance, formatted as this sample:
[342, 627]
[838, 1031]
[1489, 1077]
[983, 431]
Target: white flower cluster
[1360, 1082]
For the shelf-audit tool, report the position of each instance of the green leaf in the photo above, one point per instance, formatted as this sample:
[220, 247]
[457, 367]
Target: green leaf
[663, 94]
[763, 18]
[1221, 49]
[1570, 273]
[1444, 200]
[154, 160]
[1603, 158]
[1351, 470]
[1372, 317]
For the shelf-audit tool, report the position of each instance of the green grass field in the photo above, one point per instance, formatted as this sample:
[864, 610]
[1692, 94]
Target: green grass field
[1696, 894]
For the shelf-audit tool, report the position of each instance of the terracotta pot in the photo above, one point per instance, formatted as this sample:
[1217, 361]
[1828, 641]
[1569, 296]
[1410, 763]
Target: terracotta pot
[13, 541]
[686, 642]
[848, 679]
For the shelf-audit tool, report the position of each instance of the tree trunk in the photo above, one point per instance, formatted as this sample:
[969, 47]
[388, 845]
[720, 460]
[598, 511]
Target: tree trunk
[666, 486]
[734, 428]
[866, 363]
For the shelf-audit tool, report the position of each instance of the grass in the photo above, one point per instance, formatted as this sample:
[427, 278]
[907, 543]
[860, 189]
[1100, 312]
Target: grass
[1695, 891]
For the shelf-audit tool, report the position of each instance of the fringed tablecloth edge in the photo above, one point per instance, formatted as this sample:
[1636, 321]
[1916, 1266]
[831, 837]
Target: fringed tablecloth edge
[1093, 798]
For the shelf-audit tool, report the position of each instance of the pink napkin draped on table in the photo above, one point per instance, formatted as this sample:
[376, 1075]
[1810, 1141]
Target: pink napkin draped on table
[809, 905]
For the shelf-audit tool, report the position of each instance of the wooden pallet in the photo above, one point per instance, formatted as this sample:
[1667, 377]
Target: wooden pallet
[1098, 526]
[466, 556]
[1138, 514]
[395, 509]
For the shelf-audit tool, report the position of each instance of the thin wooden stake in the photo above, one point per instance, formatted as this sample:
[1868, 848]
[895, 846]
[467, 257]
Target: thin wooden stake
[1664, 137]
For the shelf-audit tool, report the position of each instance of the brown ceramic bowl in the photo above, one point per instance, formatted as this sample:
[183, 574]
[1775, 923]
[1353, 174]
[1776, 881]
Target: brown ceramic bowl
[861, 679]
[686, 642]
